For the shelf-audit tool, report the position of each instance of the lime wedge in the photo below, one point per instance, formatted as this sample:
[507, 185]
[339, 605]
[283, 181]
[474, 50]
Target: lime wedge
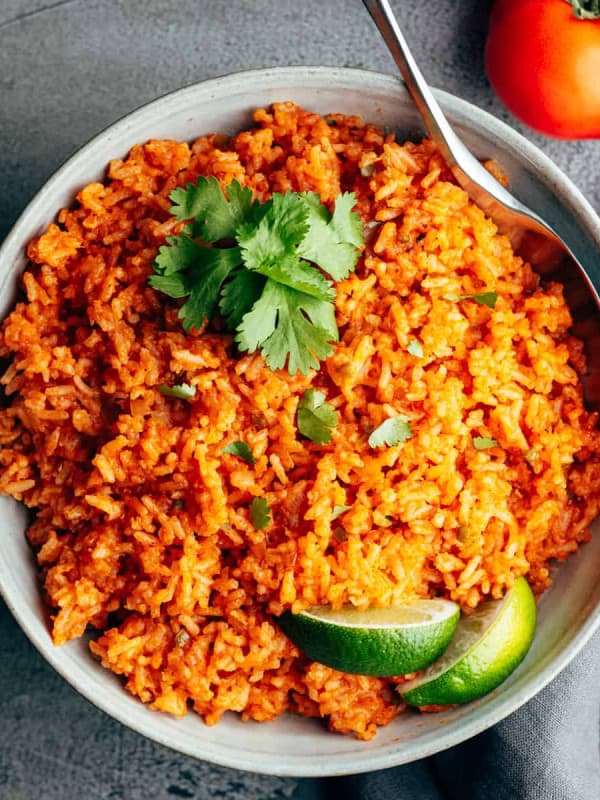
[377, 641]
[486, 648]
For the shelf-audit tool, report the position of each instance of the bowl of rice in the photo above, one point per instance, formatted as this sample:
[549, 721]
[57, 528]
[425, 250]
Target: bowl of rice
[129, 556]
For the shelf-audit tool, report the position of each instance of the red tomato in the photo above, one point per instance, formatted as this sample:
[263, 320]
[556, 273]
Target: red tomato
[544, 64]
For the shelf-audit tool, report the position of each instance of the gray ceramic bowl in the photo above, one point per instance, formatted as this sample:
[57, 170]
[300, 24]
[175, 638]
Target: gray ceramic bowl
[568, 613]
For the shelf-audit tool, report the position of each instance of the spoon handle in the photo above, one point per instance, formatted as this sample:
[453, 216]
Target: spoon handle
[454, 152]
[433, 117]
[507, 211]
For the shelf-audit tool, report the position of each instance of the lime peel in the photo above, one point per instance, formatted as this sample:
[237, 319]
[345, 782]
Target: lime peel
[487, 647]
[382, 642]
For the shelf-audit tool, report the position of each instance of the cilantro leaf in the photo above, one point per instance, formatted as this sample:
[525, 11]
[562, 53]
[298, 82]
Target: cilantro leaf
[180, 253]
[392, 431]
[338, 511]
[239, 294]
[181, 391]
[240, 449]
[216, 215]
[260, 513]
[281, 229]
[270, 247]
[208, 276]
[316, 418]
[346, 222]
[415, 348]
[484, 442]
[288, 326]
[174, 285]
[332, 241]
[290, 271]
[323, 316]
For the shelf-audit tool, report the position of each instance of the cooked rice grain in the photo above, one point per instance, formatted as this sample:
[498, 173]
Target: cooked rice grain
[141, 522]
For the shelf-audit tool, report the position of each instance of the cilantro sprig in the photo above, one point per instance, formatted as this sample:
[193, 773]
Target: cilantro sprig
[266, 267]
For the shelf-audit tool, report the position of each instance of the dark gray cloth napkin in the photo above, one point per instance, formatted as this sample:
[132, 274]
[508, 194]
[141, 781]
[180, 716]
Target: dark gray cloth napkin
[547, 750]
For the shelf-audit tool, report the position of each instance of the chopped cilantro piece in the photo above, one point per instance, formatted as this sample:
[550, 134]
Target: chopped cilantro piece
[338, 511]
[181, 391]
[488, 299]
[240, 449]
[316, 418]
[415, 348]
[392, 431]
[260, 513]
[484, 298]
[484, 442]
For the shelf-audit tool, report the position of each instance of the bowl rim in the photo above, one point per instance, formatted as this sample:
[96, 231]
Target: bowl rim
[464, 727]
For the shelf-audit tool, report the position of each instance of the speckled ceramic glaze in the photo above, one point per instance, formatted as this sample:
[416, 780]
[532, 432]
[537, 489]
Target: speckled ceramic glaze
[568, 613]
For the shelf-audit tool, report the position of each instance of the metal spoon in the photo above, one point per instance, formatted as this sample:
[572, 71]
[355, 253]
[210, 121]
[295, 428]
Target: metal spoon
[510, 214]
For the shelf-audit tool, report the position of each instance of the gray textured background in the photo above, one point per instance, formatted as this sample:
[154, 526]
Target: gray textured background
[68, 69]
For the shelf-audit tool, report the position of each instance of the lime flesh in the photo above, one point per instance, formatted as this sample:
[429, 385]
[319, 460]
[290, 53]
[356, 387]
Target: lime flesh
[486, 648]
[377, 641]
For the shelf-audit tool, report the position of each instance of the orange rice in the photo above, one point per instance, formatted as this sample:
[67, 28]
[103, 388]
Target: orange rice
[142, 528]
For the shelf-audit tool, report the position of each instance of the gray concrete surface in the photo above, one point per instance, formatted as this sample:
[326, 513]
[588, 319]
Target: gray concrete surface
[67, 69]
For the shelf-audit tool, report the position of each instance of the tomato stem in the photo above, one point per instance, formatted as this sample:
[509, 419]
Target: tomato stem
[585, 9]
